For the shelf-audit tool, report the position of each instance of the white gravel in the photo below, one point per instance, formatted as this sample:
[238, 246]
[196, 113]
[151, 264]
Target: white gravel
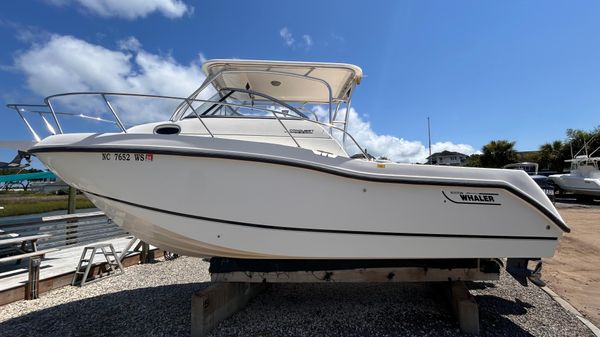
[155, 299]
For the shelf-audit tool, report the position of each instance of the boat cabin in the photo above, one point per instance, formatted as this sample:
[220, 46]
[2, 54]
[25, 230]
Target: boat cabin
[299, 104]
[288, 103]
[585, 166]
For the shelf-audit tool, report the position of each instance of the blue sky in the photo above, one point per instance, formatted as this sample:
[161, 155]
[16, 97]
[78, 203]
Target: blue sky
[482, 70]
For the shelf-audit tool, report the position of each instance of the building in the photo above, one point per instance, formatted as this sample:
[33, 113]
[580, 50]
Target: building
[449, 158]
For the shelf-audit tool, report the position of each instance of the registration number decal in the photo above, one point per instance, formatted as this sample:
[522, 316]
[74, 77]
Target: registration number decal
[118, 156]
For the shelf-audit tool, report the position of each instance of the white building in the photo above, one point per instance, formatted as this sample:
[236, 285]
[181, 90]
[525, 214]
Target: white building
[449, 158]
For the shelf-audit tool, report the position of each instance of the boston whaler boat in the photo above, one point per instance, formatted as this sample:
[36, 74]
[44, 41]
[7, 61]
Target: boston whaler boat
[263, 169]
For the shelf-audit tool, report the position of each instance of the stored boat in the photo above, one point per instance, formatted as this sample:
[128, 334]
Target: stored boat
[583, 179]
[264, 169]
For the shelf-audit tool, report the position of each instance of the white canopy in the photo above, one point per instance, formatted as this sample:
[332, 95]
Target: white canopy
[287, 81]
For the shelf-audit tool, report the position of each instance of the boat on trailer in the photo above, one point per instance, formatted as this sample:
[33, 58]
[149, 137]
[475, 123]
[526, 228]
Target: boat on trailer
[258, 164]
[584, 178]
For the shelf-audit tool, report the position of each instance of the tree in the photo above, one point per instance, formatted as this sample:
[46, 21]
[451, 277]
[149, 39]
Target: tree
[553, 155]
[473, 160]
[581, 140]
[528, 156]
[498, 153]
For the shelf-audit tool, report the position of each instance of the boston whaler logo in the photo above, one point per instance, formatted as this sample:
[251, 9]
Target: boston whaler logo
[472, 198]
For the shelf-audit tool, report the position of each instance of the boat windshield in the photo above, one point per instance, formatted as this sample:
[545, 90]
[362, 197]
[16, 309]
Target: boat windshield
[233, 102]
[584, 163]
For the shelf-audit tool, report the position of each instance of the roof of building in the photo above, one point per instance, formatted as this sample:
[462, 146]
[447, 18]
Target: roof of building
[447, 153]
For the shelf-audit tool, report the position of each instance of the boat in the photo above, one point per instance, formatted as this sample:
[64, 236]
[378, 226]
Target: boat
[258, 163]
[530, 167]
[16, 162]
[583, 179]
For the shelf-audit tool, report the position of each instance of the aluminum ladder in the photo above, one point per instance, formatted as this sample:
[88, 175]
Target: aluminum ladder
[112, 261]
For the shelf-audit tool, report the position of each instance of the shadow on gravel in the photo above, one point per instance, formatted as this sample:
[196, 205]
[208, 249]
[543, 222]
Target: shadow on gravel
[492, 316]
[283, 310]
[157, 311]
[409, 309]
[503, 306]
[480, 285]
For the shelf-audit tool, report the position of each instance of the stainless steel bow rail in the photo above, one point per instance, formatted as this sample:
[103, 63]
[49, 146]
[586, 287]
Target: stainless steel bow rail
[55, 127]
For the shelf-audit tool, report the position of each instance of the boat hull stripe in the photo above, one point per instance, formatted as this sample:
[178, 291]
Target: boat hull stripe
[319, 230]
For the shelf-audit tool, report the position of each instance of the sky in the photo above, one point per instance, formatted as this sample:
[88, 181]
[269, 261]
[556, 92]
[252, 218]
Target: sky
[523, 71]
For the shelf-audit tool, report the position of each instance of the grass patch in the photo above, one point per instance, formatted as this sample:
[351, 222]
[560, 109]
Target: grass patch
[5, 192]
[39, 205]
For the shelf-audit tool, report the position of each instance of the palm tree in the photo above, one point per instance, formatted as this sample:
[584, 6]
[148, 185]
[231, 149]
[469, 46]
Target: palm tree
[498, 153]
[553, 155]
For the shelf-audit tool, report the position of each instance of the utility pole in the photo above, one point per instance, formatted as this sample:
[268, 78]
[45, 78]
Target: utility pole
[429, 136]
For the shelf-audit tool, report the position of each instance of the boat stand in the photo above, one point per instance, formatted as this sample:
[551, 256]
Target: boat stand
[219, 301]
[311, 271]
[464, 307]
[236, 281]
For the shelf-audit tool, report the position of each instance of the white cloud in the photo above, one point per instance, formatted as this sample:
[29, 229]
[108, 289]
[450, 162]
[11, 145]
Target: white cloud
[129, 9]
[25, 33]
[130, 43]
[308, 42]
[68, 64]
[392, 147]
[337, 38]
[287, 37]
[449, 146]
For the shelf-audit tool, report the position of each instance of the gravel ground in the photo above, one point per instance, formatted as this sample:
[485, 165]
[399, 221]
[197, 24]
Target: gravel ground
[154, 300]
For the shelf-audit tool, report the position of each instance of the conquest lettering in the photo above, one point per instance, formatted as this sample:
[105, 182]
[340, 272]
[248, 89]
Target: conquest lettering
[306, 131]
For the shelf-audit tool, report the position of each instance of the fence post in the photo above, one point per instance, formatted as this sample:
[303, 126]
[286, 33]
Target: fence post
[72, 197]
[71, 228]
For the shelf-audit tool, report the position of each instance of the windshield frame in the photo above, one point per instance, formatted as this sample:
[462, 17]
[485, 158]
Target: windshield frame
[222, 102]
[182, 108]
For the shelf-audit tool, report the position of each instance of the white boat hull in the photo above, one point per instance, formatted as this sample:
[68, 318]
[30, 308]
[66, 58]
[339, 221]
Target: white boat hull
[210, 200]
[577, 184]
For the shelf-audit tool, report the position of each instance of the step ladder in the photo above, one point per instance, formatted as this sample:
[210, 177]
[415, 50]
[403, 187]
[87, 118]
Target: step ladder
[85, 263]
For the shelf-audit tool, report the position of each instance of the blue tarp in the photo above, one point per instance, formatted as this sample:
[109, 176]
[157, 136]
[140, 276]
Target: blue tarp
[27, 176]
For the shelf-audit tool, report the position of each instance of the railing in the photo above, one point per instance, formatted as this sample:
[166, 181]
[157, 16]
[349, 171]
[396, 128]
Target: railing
[34, 108]
[66, 230]
[180, 109]
[21, 108]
